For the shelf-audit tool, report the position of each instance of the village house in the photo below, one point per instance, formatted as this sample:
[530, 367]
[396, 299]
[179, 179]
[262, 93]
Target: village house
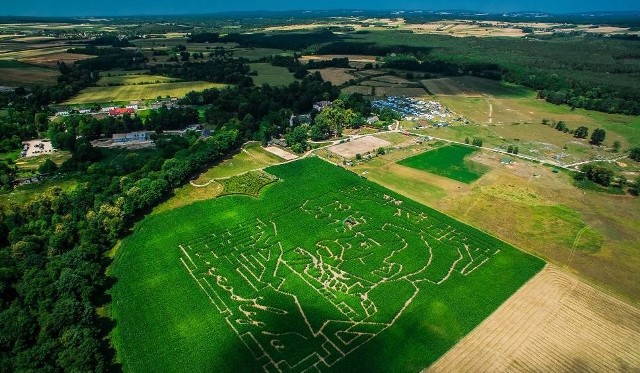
[123, 138]
[121, 111]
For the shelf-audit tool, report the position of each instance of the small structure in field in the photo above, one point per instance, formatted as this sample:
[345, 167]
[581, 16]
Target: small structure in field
[130, 137]
[121, 111]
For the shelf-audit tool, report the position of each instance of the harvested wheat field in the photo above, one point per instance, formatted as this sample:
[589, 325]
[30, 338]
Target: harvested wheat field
[554, 323]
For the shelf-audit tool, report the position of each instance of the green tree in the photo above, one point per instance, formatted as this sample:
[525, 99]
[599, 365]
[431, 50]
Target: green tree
[477, 142]
[297, 139]
[561, 126]
[581, 132]
[616, 146]
[336, 117]
[48, 167]
[598, 174]
[598, 136]
[466, 140]
[634, 153]
[510, 149]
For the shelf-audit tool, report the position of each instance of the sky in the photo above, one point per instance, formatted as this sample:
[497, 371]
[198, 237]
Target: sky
[57, 8]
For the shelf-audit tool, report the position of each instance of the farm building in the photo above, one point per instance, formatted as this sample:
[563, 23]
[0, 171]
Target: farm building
[121, 111]
[130, 137]
[319, 106]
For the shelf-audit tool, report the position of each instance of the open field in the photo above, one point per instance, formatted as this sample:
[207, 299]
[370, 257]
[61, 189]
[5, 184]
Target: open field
[51, 60]
[363, 90]
[18, 74]
[335, 75]
[34, 51]
[257, 53]
[138, 92]
[399, 91]
[133, 79]
[360, 146]
[554, 323]
[323, 271]
[272, 75]
[471, 86]
[448, 161]
[251, 157]
[526, 201]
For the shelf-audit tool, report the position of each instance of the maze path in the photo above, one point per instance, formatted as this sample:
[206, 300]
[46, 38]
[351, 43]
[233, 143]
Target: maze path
[301, 307]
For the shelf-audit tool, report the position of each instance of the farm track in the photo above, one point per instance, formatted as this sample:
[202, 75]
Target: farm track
[554, 323]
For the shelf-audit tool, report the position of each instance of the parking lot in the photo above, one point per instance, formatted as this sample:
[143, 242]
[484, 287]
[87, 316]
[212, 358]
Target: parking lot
[36, 147]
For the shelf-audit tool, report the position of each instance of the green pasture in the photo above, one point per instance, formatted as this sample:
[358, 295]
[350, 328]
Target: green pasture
[272, 75]
[448, 161]
[324, 270]
[138, 92]
[134, 79]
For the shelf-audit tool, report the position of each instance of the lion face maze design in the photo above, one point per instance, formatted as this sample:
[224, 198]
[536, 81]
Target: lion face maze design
[299, 305]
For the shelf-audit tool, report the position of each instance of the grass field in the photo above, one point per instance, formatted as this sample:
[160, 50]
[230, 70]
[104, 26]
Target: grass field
[17, 74]
[251, 157]
[448, 161]
[324, 270]
[136, 92]
[272, 75]
[335, 75]
[134, 79]
[474, 86]
[591, 233]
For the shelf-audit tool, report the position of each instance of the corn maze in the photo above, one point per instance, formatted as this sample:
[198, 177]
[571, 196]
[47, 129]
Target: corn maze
[322, 271]
[308, 283]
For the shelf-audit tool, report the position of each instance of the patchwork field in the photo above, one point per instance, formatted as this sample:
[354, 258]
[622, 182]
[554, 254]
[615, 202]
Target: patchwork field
[137, 92]
[554, 323]
[524, 201]
[448, 161]
[323, 271]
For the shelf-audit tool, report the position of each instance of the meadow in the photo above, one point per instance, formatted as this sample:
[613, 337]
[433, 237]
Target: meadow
[131, 79]
[138, 92]
[19, 74]
[448, 161]
[324, 270]
[272, 75]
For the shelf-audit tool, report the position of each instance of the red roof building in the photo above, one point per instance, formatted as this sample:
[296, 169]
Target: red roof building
[121, 111]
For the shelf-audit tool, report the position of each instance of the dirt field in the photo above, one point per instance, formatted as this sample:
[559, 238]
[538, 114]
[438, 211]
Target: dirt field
[554, 323]
[16, 77]
[281, 153]
[51, 60]
[359, 146]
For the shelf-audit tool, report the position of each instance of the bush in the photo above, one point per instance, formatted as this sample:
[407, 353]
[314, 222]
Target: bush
[48, 167]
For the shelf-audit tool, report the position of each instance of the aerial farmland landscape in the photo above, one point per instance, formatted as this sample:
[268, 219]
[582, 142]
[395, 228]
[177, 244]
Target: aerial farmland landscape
[320, 187]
